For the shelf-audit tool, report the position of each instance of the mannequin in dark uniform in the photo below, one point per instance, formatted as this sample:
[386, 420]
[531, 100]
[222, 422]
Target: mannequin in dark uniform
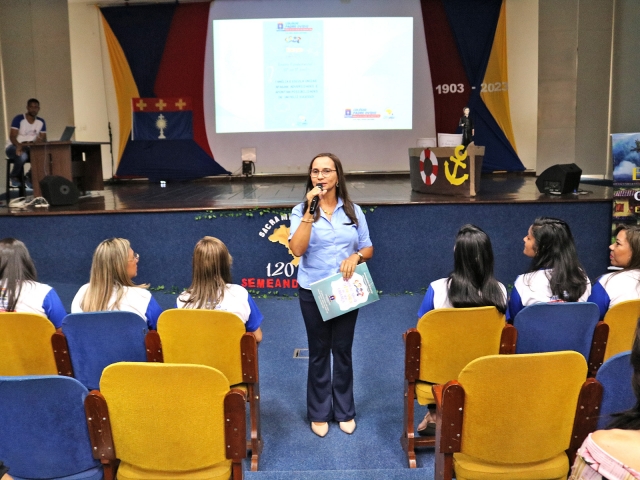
[467, 127]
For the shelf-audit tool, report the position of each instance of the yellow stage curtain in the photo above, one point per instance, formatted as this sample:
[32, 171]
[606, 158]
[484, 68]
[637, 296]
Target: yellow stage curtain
[125, 85]
[495, 87]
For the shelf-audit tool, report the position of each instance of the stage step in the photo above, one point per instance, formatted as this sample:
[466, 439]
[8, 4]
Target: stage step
[379, 474]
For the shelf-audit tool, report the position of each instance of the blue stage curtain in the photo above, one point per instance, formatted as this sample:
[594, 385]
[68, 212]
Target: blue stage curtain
[473, 23]
[143, 32]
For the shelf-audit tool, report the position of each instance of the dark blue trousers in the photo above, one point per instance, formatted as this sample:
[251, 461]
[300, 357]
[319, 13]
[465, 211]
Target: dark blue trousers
[328, 399]
[18, 161]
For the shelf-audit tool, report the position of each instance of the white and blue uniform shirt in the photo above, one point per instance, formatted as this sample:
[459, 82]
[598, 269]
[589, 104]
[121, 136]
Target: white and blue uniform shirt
[236, 300]
[437, 296]
[135, 299]
[331, 242]
[37, 298]
[27, 132]
[533, 287]
[614, 288]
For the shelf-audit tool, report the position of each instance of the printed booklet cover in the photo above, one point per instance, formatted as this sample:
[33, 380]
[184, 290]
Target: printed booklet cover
[336, 296]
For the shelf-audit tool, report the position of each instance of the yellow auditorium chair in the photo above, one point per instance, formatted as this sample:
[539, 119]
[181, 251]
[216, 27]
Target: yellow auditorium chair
[516, 417]
[622, 320]
[217, 339]
[25, 343]
[167, 421]
[443, 342]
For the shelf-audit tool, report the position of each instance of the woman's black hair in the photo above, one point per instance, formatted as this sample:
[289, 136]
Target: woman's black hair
[16, 267]
[472, 284]
[630, 419]
[341, 189]
[555, 250]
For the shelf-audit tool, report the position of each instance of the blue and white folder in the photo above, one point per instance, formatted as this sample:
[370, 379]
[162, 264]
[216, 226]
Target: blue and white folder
[336, 296]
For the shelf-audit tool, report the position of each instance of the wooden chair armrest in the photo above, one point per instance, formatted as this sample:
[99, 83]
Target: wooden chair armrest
[97, 413]
[235, 431]
[449, 414]
[249, 358]
[61, 354]
[598, 347]
[153, 344]
[404, 335]
[508, 340]
[412, 346]
[587, 412]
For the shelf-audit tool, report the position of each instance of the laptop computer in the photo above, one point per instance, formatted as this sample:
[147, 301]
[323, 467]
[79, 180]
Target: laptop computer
[67, 134]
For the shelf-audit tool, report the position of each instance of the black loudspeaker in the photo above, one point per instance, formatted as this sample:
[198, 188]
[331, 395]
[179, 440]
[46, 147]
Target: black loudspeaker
[59, 191]
[560, 179]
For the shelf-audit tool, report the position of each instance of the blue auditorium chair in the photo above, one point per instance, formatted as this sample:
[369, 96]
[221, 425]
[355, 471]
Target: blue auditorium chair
[554, 327]
[44, 429]
[98, 339]
[615, 376]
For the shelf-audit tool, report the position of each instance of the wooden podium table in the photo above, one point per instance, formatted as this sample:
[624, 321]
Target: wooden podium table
[80, 162]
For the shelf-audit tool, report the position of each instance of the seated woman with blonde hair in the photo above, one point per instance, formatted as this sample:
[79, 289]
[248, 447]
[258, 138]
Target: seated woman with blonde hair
[211, 287]
[110, 286]
[614, 453]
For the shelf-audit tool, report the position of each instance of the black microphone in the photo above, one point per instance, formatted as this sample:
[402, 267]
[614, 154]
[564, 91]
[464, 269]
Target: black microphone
[314, 201]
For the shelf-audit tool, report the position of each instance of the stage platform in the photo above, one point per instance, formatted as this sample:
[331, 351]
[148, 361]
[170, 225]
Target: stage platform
[412, 233]
[229, 193]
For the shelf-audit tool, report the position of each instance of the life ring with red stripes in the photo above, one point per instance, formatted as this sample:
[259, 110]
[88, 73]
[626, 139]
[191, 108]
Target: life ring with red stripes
[430, 177]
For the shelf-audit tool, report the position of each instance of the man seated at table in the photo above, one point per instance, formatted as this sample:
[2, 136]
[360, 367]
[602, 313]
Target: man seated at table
[26, 128]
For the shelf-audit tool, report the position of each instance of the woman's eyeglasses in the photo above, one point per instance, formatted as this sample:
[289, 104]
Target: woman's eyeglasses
[136, 257]
[325, 172]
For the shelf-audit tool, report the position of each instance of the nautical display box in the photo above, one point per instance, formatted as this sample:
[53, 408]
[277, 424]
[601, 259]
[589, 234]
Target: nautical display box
[446, 170]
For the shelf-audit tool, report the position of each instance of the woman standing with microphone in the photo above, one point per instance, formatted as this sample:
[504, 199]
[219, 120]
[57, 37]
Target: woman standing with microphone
[330, 235]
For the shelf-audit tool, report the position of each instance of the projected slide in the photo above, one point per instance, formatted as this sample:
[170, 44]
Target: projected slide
[313, 74]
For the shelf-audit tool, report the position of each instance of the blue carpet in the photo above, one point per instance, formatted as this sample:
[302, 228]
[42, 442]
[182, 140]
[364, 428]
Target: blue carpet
[291, 450]
[385, 474]
[378, 356]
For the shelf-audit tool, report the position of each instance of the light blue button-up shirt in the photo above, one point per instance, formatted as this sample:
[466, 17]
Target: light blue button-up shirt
[330, 242]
